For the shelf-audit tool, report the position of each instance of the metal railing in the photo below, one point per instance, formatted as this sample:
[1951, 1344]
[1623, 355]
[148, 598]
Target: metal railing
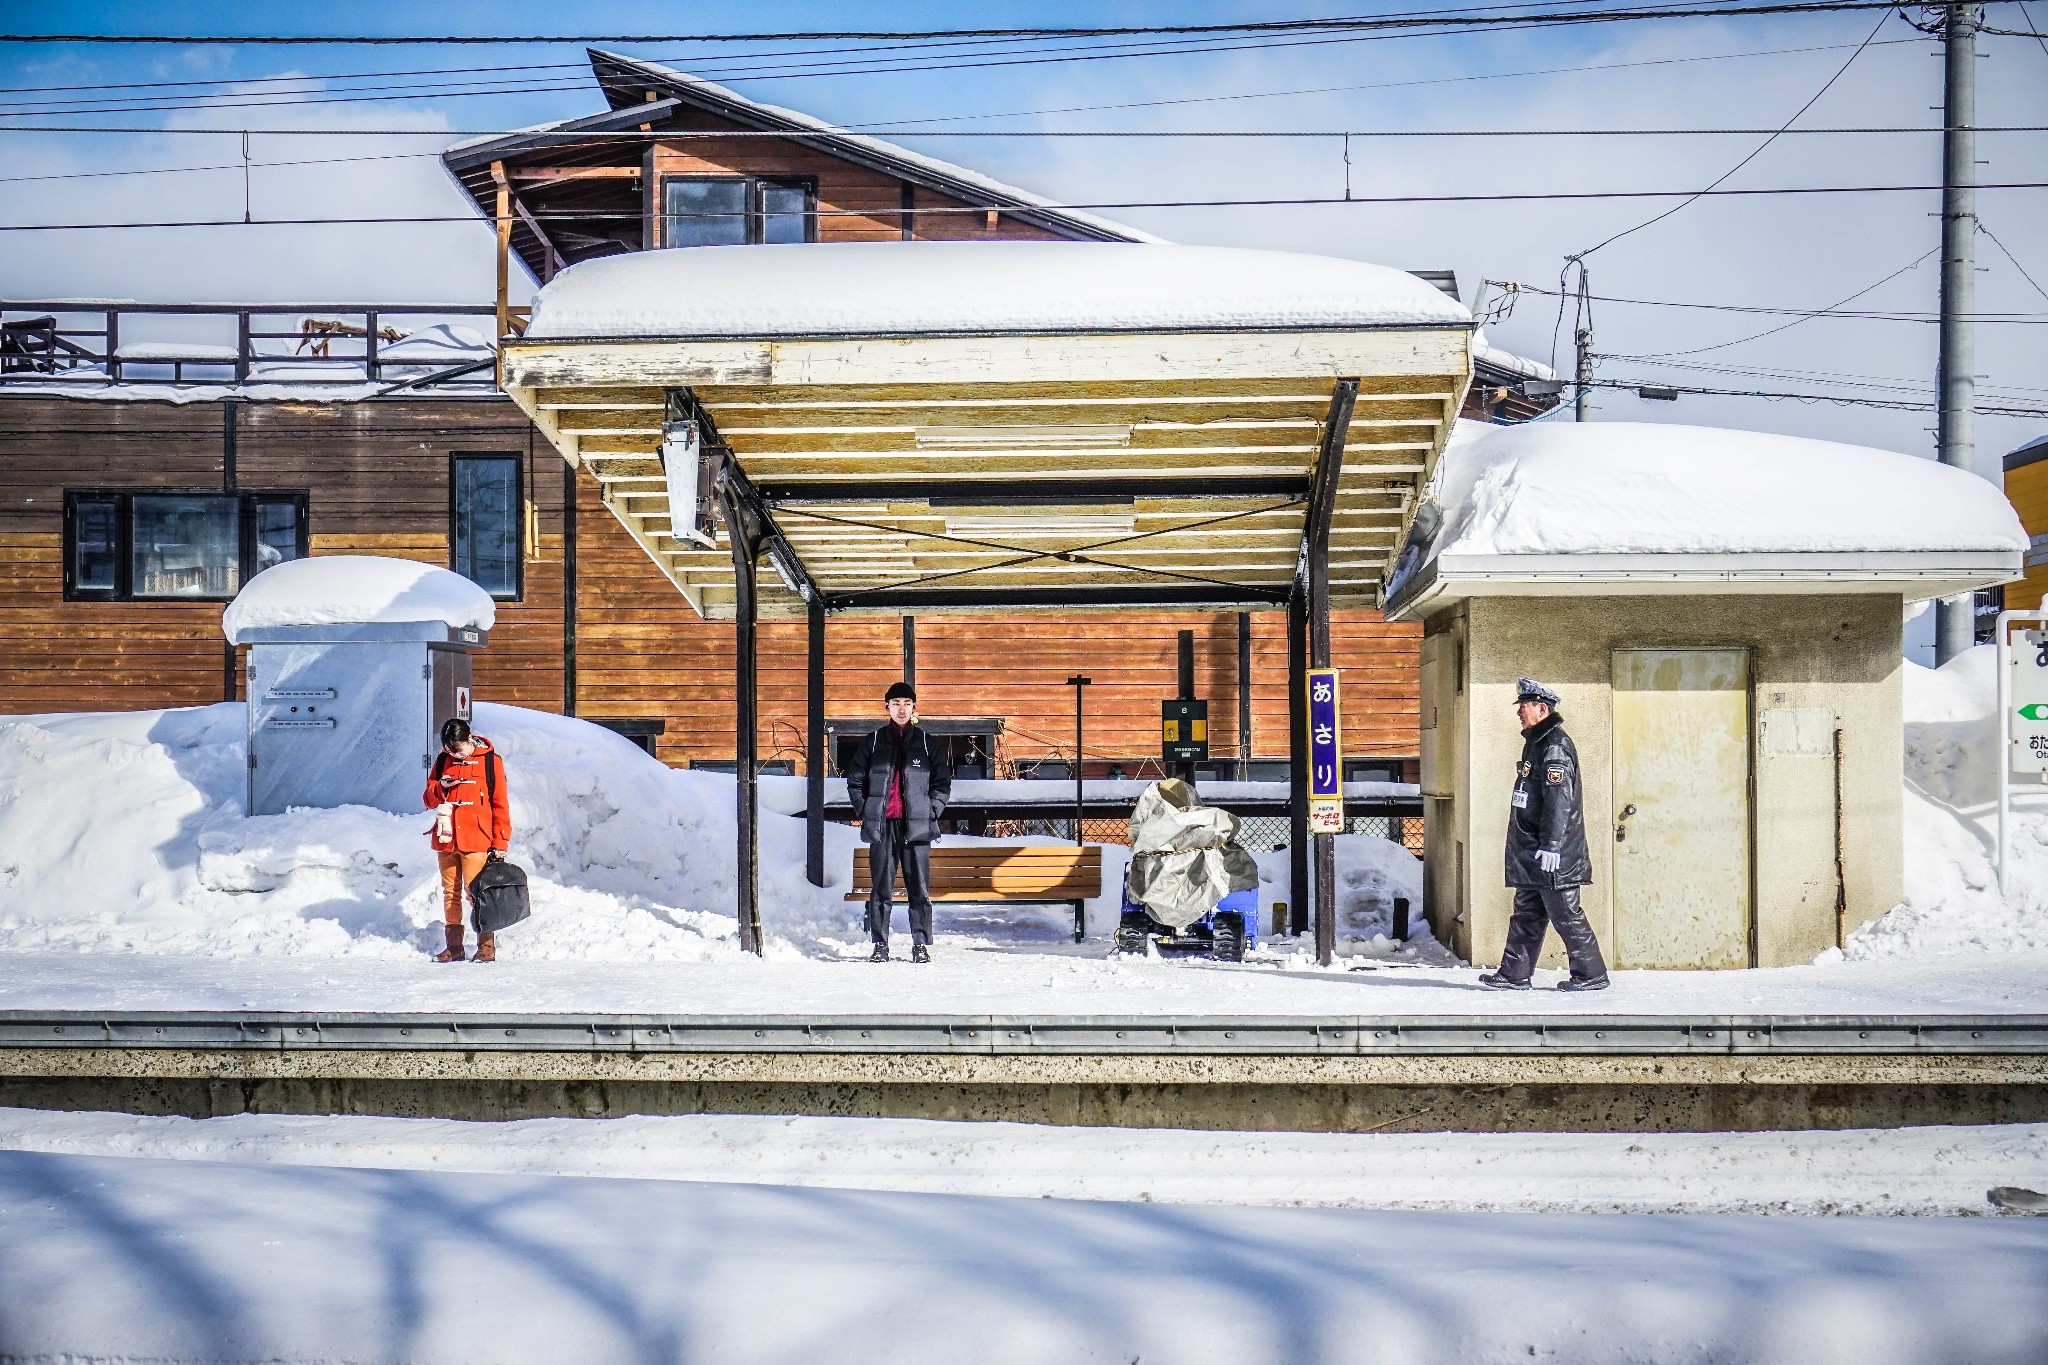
[83, 341]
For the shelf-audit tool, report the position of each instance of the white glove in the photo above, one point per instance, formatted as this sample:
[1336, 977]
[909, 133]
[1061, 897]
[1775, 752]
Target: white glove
[444, 822]
[1548, 859]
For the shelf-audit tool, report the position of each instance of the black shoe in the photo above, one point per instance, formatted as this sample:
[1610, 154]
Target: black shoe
[920, 953]
[880, 954]
[1494, 981]
[1591, 983]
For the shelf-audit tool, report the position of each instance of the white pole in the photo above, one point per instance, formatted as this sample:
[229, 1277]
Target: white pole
[2004, 734]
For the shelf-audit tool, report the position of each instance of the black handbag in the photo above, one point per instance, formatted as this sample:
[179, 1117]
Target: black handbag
[497, 895]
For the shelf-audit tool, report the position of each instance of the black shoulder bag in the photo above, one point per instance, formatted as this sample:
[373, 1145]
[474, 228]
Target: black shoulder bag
[497, 895]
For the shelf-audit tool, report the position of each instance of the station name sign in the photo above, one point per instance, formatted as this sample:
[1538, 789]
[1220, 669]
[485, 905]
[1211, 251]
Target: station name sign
[1325, 752]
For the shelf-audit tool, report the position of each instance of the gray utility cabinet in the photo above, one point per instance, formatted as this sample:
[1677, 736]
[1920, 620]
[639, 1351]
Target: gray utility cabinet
[351, 715]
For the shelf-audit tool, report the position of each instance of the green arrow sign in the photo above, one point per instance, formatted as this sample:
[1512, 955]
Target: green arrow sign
[2034, 711]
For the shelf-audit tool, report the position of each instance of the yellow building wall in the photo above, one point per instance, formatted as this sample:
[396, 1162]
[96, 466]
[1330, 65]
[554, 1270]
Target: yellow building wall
[2027, 489]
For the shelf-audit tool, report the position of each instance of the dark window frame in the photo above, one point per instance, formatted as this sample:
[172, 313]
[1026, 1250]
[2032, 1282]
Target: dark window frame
[519, 545]
[757, 216]
[123, 500]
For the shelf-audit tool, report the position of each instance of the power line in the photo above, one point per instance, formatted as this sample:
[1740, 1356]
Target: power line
[976, 211]
[868, 129]
[1729, 174]
[1888, 315]
[1846, 400]
[1818, 312]
[1376, 85]
[2024, 274]
[1465, 18]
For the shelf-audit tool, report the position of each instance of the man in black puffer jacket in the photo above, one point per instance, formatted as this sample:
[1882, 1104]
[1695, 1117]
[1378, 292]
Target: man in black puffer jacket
[1547, 861]
[898, 782]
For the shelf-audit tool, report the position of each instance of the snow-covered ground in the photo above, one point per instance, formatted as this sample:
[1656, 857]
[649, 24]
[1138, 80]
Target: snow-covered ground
[130, 1259]
[129, 877]
[1928, 1172]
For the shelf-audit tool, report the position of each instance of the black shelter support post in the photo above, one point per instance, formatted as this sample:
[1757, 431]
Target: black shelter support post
[1298, 890]
[1186, 771]
[1315, 595]
[814, 748]
[742, 533]
[910, 650]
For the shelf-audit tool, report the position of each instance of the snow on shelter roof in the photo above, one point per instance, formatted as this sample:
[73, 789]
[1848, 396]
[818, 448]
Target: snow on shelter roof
[927, 288]
[1614, 501]
[355, 589]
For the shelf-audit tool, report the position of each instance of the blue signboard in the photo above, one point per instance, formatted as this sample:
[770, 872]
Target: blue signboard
[1325, 753]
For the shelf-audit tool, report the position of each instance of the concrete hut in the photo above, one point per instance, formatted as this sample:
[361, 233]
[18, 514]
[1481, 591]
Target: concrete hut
[1721, 613]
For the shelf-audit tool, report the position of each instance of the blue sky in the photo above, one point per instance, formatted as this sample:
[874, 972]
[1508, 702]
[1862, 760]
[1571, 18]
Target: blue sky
[1770, 251]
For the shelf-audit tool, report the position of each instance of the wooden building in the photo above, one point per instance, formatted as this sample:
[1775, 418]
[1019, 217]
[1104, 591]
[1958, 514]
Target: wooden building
[144, 478]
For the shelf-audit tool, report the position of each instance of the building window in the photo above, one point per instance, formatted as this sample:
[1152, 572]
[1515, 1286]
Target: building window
[736, 211]
[485, 524]
[172, 544]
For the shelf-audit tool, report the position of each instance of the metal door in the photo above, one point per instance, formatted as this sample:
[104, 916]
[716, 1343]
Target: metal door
[1681, 837]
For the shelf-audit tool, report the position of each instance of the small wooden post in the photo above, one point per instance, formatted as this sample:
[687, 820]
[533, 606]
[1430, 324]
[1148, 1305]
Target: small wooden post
[504, 221]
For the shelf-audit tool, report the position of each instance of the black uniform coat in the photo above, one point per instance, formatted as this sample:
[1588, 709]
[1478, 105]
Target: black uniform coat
[927, 782]
[1548, 810]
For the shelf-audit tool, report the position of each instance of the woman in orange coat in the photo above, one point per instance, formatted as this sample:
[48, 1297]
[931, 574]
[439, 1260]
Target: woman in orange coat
[472, 819]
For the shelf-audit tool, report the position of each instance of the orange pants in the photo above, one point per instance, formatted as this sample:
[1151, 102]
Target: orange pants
[457, 871]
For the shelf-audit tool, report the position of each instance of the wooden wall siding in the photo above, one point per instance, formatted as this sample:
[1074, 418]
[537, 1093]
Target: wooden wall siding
[50, 444]
[377, 479]
[873, 200]
[643, 653]
[2027, 489]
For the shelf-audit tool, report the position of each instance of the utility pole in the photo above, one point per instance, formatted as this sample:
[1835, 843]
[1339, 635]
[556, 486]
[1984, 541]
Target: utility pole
[1955, 618]
[1583, 338]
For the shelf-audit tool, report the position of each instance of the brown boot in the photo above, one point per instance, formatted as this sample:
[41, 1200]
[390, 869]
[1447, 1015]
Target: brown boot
[453, 952]
[486, 948]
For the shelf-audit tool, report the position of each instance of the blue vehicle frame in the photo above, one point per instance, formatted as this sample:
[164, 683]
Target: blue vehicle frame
[1227, 932]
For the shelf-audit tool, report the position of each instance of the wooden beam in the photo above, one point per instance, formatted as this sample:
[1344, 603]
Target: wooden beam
[559, 173]
[504, 222]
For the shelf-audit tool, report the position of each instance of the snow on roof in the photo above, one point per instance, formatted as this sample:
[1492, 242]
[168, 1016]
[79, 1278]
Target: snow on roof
[1483, 349]
[349, 589]
[872, 288]
[1562, 488]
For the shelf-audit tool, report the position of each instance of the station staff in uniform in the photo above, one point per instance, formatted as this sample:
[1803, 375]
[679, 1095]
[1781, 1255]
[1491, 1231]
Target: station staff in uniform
[1547, 861]
[898, 782]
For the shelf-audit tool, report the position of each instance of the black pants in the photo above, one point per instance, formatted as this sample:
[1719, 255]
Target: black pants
[1555, 907]
[885, 856]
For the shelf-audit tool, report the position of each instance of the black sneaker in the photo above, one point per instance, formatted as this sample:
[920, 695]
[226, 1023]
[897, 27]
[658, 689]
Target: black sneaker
[880, 954]
[1591, 983]
[920, 953]
[1494, 981]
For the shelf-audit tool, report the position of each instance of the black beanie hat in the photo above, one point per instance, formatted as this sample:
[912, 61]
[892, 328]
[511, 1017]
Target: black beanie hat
[902, 689]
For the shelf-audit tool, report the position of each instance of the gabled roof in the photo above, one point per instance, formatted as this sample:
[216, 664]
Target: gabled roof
[626, 83]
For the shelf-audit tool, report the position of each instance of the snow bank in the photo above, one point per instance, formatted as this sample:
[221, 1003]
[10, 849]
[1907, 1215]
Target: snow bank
[130, 1259]
[1953, 903]
[443, 344]
[148, 851]
[328, 590]
[1629, 487]
[978, 287]
[1924, 1172]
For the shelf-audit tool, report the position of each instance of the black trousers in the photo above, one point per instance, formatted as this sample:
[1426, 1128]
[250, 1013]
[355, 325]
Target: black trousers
[885, 856]
[1537, 908]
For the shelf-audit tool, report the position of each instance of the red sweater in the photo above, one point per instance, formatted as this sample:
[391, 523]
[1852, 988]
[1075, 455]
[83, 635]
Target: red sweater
[483, 819]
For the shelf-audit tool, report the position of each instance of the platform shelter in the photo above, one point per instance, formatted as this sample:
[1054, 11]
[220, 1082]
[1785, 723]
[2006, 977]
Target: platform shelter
[924, 426]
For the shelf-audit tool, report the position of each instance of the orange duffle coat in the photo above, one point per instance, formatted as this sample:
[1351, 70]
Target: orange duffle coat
[483, 816]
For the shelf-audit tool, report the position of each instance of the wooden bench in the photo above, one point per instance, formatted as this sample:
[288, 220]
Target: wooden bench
[1013, 874]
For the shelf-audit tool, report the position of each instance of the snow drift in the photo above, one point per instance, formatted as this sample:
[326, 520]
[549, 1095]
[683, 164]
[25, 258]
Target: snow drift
[150, 852]
[1953, 903]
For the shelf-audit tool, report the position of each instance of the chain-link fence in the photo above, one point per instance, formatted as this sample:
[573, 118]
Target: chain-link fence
[1260, 833]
